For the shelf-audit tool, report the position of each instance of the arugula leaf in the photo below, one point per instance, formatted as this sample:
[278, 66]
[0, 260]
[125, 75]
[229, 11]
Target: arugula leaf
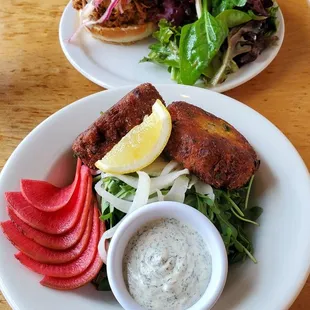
[199, 43]
[254, 213]
[230, 214]
[119, 189]
[219, 6]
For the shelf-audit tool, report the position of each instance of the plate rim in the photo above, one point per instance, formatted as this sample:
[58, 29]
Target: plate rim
[220, 88]
[290, 297]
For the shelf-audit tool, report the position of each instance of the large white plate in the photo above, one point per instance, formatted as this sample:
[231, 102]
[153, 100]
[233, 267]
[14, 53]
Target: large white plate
[112, 66]
[282, 188]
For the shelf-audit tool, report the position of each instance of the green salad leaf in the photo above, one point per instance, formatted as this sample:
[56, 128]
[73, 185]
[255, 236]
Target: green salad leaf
[232, 18]
[272, 21]
[166, 50]
[236, 46]
[256, 17]
[219, 6]
[205, 49]
[120, 190]
[199, 43]
[101, 281]
[231, 215]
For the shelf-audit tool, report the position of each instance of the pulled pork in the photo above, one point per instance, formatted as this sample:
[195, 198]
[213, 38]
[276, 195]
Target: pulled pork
[79, 4]
[136, 12]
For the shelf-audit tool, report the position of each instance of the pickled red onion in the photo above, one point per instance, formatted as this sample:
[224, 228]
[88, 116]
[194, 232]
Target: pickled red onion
[103, 18]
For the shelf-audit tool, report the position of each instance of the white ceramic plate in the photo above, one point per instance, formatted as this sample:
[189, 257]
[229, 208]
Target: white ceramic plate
[112, 66]
[282, 188]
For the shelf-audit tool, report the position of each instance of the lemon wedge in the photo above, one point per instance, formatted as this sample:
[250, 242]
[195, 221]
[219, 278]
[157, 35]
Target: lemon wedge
[141, 145]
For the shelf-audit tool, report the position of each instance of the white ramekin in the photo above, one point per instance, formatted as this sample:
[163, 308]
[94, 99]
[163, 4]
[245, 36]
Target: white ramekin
[185, 214]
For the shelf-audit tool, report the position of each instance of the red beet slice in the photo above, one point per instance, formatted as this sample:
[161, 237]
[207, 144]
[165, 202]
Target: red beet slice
[77, 281]
[73, 268]
[43, 254]
[56, 242]
[47, 197]
[57, 222]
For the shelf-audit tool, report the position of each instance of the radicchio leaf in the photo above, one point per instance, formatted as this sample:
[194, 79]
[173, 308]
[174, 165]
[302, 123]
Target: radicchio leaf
[259, 6]
[245, 43]
[177, 12]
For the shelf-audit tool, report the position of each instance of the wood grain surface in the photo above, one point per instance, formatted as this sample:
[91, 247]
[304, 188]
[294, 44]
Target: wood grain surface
[36, 80]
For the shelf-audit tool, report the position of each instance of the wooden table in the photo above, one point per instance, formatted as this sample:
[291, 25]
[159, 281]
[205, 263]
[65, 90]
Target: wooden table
[36, 80]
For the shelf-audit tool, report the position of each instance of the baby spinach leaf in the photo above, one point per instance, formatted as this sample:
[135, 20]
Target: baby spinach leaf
[232, 18]
[256, 17]
[199, 43]
[219, 6]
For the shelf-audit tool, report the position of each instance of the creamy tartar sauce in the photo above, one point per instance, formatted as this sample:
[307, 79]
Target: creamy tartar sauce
[167, 265]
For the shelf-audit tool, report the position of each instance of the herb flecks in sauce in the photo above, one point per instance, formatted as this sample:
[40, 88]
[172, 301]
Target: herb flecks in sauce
[169, 262]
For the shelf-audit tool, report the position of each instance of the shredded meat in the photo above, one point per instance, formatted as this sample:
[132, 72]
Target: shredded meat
[136, 12]
[78, 4]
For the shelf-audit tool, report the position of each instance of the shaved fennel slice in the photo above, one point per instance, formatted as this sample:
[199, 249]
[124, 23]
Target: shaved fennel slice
[108, 234]
[154, 199]
[156, 167]
[204, 189]
[160, 196]
[130, 198]
[178, 189]
[111, 208]
[165, 181]
[169, 167]
[132, 181]
[192, 181]
[142, 192]
[120, 204]
[141, 199]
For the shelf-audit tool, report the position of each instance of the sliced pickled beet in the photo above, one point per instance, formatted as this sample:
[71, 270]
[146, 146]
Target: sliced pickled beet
[56, 242]
[77, 281]
[70, 269]
[42, 254]
[57, 222]
[47, 197]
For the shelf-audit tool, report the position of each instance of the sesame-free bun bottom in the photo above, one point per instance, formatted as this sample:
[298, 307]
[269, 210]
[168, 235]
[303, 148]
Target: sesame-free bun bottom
[125, 35]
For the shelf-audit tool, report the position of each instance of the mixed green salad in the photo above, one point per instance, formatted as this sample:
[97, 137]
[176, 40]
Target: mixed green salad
[228, 210]
[227, 35]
